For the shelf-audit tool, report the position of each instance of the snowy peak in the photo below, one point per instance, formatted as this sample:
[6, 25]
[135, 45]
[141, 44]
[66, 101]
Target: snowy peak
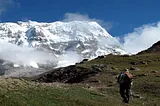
[86, 38]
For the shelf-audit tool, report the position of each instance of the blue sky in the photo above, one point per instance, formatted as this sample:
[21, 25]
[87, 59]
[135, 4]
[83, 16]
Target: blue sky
[119, 17]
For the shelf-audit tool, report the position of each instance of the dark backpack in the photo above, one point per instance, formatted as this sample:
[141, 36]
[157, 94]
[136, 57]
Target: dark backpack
[123, 78]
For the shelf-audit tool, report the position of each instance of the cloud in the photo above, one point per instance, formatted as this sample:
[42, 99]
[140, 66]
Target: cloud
[75, 17]
[25, 19]
[142, 38]
[84, 17]
[4, 4]
[24, 56]
[65, 59]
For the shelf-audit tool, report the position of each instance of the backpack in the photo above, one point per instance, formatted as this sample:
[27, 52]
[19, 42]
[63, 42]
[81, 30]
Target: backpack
[124, 78]
[121, 78]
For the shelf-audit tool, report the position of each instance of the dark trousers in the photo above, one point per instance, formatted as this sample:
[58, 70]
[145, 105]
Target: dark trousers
[125, 92]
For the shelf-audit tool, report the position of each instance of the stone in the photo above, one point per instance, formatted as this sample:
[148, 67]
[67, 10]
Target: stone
[136, 96]
[158, 76]
[141, 75]
[101, 67]
[126, 55]
[143, 62]
[133, 63]
[154, 71]
[83, 61]
[100, 57]
[138, 63]
[134, 69]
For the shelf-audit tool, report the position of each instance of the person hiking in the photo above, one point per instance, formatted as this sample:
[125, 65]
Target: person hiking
[125, 79]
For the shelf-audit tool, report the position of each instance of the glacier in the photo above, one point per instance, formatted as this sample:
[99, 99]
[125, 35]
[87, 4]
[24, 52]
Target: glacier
[39, 45]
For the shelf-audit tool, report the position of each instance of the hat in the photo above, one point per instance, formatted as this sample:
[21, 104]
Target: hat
[126, 70]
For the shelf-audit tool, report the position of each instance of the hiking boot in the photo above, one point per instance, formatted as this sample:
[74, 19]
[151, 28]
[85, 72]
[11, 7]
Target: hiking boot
[125, 101]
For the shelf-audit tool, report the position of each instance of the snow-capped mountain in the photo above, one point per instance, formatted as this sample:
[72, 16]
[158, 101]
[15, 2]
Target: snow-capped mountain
[67, 41]
[88, 39]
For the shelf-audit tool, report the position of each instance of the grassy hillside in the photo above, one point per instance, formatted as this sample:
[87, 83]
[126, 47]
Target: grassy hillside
[98, 90]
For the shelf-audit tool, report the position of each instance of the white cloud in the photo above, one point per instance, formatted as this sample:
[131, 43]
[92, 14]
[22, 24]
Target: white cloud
[75, 17]
[24, 55]
[25, 19]
[4, 5]
[142, 38]
[84, 17]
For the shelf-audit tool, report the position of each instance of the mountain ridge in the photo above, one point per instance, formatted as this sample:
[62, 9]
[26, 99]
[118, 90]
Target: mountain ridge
[155, 48]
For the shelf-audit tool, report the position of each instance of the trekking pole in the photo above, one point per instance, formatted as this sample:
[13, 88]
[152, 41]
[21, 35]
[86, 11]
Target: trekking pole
[131, 93]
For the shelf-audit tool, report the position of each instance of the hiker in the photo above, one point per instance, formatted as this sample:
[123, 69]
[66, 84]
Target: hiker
[125, 79]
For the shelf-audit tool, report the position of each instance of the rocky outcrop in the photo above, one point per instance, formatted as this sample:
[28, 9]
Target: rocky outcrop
[70, 74]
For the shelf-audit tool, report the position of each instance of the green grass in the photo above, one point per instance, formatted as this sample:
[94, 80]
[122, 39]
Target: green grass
[43, 95]
[19, 92]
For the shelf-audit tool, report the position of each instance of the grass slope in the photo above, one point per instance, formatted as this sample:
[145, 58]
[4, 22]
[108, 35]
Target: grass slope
[99, 90]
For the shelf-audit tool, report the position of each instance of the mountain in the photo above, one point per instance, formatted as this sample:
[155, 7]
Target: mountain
[65, 42]
[155, 48]
[86, 38]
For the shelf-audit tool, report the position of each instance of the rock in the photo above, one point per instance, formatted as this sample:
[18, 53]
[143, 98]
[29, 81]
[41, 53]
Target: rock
[154, 71]
[100, 57]
[95, 81]
[134, 69]
[126, 55]
[143, 62]
[141, 75]
[136, 96]
[114, 68]
[101, 67]
[70, 74]
[84, 60]
[109, 85]
[155, 48]
[134, 63]
[158, 76]
[139, 63]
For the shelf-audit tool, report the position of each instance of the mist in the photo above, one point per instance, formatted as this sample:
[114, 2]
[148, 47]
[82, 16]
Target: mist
[68, 17]
[69, 58]
[29, 61]
[24, 56]
[142, 38]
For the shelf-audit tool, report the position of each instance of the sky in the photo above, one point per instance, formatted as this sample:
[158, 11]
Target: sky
[133, 22]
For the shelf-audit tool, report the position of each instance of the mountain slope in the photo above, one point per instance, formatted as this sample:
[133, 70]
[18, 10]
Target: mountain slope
[155, 48]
